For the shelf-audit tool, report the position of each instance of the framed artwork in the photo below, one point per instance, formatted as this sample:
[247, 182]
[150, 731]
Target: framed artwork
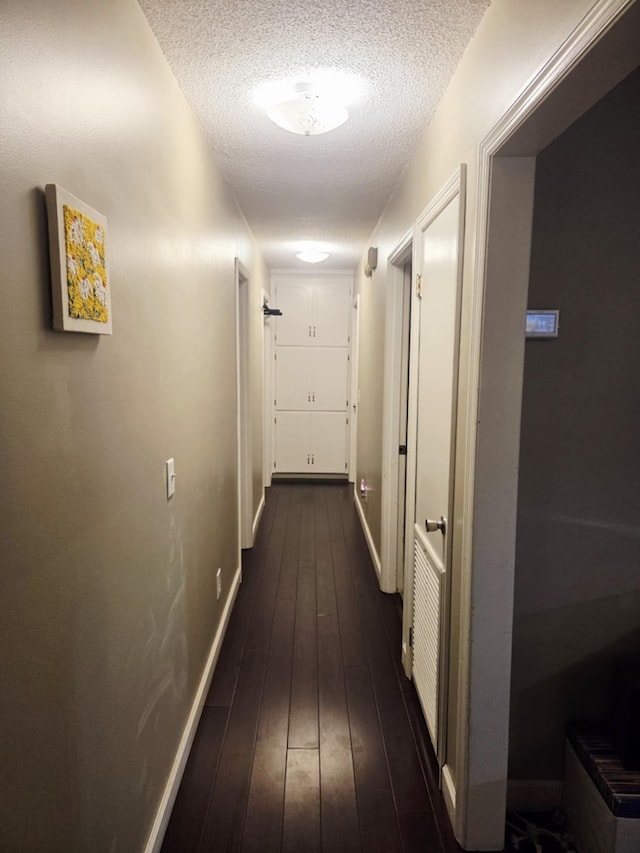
[79, 265]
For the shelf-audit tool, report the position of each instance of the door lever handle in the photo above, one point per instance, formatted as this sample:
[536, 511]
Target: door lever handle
[432, 526]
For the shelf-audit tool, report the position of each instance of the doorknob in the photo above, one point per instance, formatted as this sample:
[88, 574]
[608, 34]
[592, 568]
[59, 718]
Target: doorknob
[432, 526]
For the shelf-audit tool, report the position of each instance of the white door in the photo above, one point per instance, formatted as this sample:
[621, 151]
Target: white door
[434, 373]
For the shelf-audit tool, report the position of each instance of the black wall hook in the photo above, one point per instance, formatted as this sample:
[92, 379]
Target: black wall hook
[270, 312]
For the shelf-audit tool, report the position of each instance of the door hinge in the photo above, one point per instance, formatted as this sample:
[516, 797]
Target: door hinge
[347, 421]
[348, 358]
[275, 356]
[346, 466]
[402, 450]
[419, 286]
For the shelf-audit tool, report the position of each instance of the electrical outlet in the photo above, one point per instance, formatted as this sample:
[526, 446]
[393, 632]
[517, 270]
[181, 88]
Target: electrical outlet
[218, 584]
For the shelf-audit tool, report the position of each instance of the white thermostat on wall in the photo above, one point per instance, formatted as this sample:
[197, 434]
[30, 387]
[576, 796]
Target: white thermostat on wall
[542, 324]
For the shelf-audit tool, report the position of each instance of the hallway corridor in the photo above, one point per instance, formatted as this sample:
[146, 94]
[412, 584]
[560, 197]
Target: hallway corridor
[307, 741]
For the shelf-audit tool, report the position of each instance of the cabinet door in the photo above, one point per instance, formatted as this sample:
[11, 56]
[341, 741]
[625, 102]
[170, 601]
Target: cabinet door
[312, 378]
[293, 442]
[329, 378]
[295, 327]
[329, 437]
[294, 378]
[331, 314]
[311, 442]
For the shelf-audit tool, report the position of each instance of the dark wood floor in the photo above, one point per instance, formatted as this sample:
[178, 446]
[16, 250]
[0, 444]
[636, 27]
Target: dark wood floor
[311, 738]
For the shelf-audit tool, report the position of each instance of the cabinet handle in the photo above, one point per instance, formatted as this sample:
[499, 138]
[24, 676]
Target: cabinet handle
[313, 397]
[314, 331]
[309, 331]
[313, 459]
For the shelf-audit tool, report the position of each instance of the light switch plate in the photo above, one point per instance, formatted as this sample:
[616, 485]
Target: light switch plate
[171, 478]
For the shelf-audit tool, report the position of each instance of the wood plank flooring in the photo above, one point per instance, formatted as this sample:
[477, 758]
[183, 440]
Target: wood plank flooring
[311, 738]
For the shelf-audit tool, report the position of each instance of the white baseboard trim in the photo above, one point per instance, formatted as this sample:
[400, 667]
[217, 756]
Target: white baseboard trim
[534, 795]
[367, 535]
[156, 835]
[449, 793]
[258, 516]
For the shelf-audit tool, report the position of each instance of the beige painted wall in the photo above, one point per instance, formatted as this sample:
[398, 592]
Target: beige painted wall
[577, 598]
[513, 42]
[107, 589]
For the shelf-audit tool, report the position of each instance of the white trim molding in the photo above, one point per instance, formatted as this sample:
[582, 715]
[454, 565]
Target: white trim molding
[396, 263]
[375, 557]
[448, 791]
[488, 530]
[257, 517]
[163, 813]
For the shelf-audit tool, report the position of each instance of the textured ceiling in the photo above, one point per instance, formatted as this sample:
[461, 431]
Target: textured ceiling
[329, 189]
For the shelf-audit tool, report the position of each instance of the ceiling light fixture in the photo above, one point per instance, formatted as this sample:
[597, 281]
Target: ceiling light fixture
[311, 105]
[308, 113]
[312, 256]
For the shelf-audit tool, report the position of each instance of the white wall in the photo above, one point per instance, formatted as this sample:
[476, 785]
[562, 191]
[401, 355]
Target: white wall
[577, 597]
[108, 591]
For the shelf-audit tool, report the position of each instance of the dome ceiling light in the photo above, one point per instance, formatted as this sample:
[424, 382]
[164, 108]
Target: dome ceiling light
[309, 106]
[308, 113]
[312, 256]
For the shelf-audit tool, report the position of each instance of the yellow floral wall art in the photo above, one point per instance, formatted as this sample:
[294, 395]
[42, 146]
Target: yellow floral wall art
[80, 281]
[86, 273]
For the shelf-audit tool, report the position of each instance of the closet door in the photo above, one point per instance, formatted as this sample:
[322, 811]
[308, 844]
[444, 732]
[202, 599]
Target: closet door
[294, 378]
[329, 378]
[329, 442]
[331, 314]
[293, 442]
[295, 327]
[312, 378]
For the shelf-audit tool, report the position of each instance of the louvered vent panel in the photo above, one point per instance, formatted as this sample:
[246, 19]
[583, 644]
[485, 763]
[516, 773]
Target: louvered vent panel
[427, 613]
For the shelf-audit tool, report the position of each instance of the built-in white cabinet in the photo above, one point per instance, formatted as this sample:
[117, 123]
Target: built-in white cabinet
[311, 443]
[315, 312]
[312, 378]
[311, 373]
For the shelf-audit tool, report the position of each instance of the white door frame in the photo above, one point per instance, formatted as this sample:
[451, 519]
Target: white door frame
[268, 399]
[505, 168]
[393, 340]
[353, 388]
[243, 413]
